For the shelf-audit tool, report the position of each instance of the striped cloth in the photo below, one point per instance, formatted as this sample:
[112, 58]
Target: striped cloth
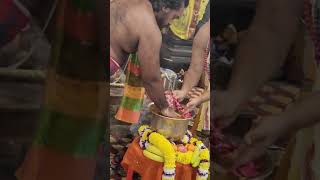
[132, 101]
[71, 122]
[12, 21]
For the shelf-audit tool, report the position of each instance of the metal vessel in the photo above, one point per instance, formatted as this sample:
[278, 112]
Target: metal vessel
[171, 128]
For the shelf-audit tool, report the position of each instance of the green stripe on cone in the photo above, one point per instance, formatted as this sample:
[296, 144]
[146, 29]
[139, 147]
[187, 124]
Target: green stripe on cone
[134, 59]
[77, 136]
[132, 104]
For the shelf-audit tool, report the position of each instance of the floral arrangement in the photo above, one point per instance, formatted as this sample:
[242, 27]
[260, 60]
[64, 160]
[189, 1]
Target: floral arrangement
[174, 103]
[188, 151]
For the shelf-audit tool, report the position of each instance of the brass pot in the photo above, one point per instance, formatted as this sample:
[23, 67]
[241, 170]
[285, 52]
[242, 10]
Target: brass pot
[171, 128]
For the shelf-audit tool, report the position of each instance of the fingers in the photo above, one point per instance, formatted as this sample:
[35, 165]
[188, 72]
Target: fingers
[190, 106]
[195, 92]
[177, 115]
[173, 115]
[178, 94]
[254, 136]
[169, 113]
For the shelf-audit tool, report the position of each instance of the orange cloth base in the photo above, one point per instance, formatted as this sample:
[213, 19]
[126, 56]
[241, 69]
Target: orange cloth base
[128, 116]
[149, 169]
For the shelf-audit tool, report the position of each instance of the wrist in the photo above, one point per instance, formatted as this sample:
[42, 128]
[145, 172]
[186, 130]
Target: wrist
[184, 91]
[162, 104]
[202, 99]
[287, 122]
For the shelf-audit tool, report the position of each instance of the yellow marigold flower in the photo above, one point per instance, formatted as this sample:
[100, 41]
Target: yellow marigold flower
[184, 158]
[144, 135]
[142, 128]
[205, 165]
[199, 143]
[205, 154]
[193, 140]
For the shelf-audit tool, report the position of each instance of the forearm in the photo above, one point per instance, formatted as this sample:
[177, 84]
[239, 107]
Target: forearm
[191, 79]
[148, 53]
[265, 47]
[205, 96]
[155, 91]
[199, 46]
[304, 114]
[256, 60]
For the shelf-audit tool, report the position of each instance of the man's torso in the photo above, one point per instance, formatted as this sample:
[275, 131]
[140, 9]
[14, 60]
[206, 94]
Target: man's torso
[124, 35]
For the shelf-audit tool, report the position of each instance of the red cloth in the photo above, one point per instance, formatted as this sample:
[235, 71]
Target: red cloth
[149, 169]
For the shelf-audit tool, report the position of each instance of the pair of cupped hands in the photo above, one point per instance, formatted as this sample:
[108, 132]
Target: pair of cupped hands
[180, 95]
[267, 130]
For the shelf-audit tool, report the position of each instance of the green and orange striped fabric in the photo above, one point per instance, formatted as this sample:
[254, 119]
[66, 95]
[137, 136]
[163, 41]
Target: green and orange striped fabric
[72, 121]
[132, 100]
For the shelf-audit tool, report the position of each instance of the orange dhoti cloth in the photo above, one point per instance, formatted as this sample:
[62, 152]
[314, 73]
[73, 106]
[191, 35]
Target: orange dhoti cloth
[149, 169]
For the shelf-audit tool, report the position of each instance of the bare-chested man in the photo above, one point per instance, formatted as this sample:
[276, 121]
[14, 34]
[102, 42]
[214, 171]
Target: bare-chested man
[135, 28]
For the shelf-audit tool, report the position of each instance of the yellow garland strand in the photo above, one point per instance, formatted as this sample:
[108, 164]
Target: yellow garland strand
[144, 136]
[152, 156]
[205, 154]
[142, 128]
[205, 165]
[184, 158]
[151, 148]
[165, 147]
[193, 140]
[195, 155]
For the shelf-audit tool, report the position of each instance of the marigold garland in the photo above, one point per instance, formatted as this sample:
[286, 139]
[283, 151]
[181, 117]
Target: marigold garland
[161, 147]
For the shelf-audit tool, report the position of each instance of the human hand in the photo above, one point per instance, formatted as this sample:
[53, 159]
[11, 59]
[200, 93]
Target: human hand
[179, 94]
[226, 107]
[195, 92]
[259, 138]
[193, 103]
[170, 112]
